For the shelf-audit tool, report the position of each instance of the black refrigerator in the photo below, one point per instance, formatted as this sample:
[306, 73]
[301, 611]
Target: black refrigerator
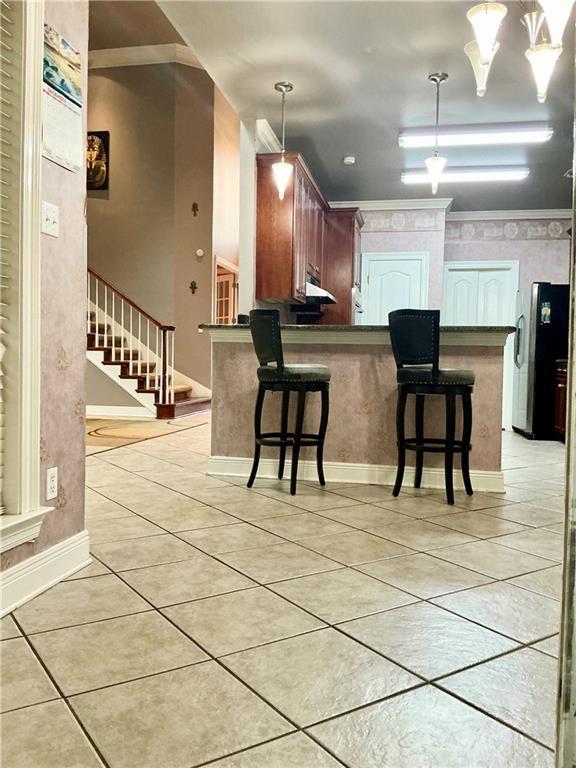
[541, 339]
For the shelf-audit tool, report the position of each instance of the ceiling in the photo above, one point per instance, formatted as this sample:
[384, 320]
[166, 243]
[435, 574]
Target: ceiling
[360, 75]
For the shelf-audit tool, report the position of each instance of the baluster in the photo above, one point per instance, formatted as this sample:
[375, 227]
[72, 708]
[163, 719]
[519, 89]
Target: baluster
[171, 380]
[97, 316]
[157, 369]
[122, 330]
[88, 304]
[131, 366]
[105, 315]
[164, 366]
[147, 353]
[139, 345]
[113, 297]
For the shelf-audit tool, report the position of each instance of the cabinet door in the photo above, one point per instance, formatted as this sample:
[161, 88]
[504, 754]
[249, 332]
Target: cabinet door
[300, 239]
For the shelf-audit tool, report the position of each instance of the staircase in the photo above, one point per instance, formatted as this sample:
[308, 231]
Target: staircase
[137, 351]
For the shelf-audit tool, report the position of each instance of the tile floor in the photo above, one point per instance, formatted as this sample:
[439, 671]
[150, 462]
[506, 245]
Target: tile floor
[249, 629]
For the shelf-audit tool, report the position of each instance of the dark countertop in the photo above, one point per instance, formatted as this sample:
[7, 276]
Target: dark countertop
[367, 328]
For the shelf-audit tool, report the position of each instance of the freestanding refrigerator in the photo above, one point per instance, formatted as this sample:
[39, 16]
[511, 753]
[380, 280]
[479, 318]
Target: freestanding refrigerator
[541, 340]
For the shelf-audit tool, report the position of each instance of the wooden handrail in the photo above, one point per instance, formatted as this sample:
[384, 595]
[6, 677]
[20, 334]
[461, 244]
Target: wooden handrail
[132, 303]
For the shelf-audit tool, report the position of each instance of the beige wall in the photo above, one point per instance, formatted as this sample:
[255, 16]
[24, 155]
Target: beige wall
[225, 225]
[102, 390]
[63, 327]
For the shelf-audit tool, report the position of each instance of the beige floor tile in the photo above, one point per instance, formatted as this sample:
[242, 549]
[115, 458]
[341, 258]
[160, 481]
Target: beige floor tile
[315, 676]
[341, 595]
[218, 496]
[240, 620]
[541, 543]
[282, 561]
[414, 506]
[257, 508]
[8, 628]
[519, 689]
[302, 526]
[134, 461]
[547, 582]
[526, 514]
[189, 580]
[422, 535]
[185, 515]
[364, 516]
[555, 503]
[204, 712]
[94, 569]
[308, 498]
[355, 547]
[423, 575]
[45, 736]
[478, 524]
[114, 651]
[558, 528]
[519, 495]
[427, 640]
[229, 538]
[475, 502]
[98, 507]
[549, 646]
[294, 751]
[427, 727]
[24, 682]
[513, 611]
[493, 560]
[78, 602]
[139, 553]
[121, 528]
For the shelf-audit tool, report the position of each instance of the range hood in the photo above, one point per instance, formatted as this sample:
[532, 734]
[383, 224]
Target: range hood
[317, 295]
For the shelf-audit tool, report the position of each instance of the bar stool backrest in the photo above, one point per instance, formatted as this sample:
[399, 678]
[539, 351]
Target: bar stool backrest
[415, 337]
[266, 336]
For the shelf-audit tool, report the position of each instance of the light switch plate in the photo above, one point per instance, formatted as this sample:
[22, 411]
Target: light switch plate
[50, 219]
[51, 483]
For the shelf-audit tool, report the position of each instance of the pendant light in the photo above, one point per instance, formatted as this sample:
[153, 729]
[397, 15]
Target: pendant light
[486, 19]
[436, 163]
[557, 15]
[543, 58]
[481, 68]
[282, 171]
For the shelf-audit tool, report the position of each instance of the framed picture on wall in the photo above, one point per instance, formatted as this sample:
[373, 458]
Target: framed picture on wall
[97, 159]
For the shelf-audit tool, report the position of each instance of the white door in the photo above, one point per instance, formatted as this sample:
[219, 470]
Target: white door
[393, 281]
[484, 293]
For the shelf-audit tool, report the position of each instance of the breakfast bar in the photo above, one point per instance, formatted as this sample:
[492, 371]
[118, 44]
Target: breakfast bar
[361, 438]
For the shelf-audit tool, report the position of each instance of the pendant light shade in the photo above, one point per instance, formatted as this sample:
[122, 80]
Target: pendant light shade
[557, 15]
[543, 58]
[435, 166]
[481, 68]
[282, 171]
[486, 19]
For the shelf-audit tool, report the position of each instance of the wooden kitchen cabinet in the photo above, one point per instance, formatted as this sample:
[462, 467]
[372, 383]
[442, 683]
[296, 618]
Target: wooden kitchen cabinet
[290, 233]
[342, 249]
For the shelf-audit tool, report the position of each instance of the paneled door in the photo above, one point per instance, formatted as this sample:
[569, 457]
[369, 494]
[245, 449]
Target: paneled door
[484, 293]
[393, 281]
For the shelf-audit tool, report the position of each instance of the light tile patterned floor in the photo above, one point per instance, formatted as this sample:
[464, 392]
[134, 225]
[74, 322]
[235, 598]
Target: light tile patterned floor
[249, 629]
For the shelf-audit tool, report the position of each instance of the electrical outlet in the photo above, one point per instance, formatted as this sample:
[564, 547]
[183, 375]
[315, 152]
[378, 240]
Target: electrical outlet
[51, 483]
[50, 219]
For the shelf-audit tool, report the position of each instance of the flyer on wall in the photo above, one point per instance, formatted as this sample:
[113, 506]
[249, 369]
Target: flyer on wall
[62, 135]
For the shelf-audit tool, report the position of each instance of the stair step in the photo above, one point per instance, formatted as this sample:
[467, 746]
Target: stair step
[91, 315]
[102, 342]
[120, 356]
[183, 407]
[102, 328]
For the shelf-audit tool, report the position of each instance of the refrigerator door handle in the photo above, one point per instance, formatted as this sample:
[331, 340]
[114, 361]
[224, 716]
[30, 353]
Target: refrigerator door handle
[518, 345]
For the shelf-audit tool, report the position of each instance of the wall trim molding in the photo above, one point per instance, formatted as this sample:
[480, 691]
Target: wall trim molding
[18, 529]
[440, 203]
[38, 573]
[138, 55]
[546, 213]
[265, 138]
[118, 412]
[491, 481]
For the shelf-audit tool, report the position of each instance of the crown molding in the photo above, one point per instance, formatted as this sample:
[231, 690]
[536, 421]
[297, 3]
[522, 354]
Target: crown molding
[545, 213]
[443, 203]
[138, 55]
[266, 139]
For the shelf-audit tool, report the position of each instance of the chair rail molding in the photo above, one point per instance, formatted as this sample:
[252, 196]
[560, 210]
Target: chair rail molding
[139, 55]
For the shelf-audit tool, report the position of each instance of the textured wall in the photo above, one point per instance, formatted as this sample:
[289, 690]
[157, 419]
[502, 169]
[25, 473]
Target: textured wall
[63, 326]
[226, 220]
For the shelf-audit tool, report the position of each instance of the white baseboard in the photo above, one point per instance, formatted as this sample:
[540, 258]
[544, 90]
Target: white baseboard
[118, 412]
[29, 578]
[491, 481]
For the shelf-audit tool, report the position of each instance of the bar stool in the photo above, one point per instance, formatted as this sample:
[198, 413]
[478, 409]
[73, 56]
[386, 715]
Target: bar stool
[275, 376]
[415, 337]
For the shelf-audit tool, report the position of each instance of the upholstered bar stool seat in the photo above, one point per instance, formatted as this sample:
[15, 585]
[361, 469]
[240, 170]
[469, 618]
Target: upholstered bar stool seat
[415, 337]
[276, 376]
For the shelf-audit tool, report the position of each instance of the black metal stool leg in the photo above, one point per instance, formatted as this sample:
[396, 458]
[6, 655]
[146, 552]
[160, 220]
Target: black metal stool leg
[297, 439]
[449, 449]
[325, 392]
[284, 431]
[257, 433]
[466, 435]
[420, 400]
[400, 437]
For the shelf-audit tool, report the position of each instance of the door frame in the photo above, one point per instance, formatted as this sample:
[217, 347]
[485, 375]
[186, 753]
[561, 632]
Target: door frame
[513, 265]
[422, 256]
[218, 261]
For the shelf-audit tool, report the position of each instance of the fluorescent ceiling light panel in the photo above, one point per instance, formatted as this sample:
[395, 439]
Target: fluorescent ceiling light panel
[469, 175]
[477, 135]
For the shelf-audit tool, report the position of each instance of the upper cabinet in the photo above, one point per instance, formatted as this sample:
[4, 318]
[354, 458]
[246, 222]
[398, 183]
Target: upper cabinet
[342, 260]
[290, 233]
